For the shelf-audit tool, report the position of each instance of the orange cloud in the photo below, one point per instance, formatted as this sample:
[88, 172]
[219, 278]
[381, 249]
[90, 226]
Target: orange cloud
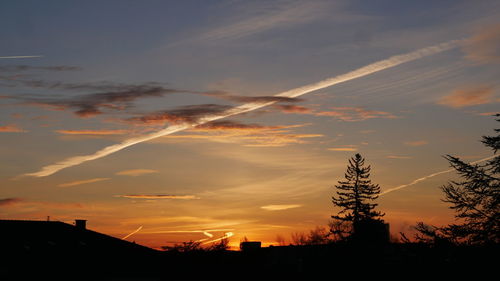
[398, 157]
[280, 207]
[483, 47]
[247, 134]
[354, 114]
[136, 172]
[342, 149]
[158, 196]
[288, 108]
[92, 132]
[416, 143]
[9, 201]
[74, 183]
[468, 96]
[488, 113]
[11, 129]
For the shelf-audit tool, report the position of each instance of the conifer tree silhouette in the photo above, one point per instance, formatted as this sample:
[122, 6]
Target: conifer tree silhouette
[476, 198]
[355, 195]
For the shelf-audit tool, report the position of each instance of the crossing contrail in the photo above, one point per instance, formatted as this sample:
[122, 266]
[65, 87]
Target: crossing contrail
[360, 72]
[20, 57]
[226, 235]
[430, 176]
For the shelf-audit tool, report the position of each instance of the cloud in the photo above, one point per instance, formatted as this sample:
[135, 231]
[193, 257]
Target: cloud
[74, 183]
[136, 172]
[343, 149]
[353, 114]
[398, 157]
[107, 96]
[10, 201]
[92, 132]
[11, 129]
[18, 68]
[182, 114]
[250, 99]
[225, 125]
[20, 57]
[253, 135]
[488, 113]
[468, 96]
[288, 108]
[280, 207]
[158, 196]
[269, 17]
[483, 47]
[416, 143]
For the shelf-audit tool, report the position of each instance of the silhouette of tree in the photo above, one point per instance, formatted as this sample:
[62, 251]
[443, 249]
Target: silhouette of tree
[340, 230]
[280, 239]
[299, 238]
[184, 247]
[476, 197]
[475, 200]
[221, 245]
[356, 193]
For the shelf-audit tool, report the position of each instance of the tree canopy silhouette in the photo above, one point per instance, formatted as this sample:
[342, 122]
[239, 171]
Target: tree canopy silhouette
[355, 196]
[475, 199]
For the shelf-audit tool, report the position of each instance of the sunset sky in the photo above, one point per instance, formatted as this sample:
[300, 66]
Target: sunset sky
[87, 89]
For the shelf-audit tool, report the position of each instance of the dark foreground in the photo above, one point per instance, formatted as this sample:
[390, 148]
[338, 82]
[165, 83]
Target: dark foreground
[274, 263]
[51, 250]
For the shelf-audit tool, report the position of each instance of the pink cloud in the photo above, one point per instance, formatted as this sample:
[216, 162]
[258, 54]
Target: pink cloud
[468, 96]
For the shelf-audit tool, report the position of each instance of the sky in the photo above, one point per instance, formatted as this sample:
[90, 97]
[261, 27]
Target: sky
[168, 121]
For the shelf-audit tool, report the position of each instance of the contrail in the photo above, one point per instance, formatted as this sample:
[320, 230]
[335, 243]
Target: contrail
[430, 176]
[360, 72]
[21, 57]
[132, 233]
[226, 235]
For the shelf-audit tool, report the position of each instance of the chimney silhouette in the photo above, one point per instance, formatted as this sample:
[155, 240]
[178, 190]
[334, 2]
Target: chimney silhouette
[81, 224]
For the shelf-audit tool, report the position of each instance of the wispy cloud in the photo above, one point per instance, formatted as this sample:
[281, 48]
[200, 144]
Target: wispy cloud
[136, 172]
[20, 57]
[290, 108]
[280, 207]
[398, 157]
[483, 46]
[268, 18]
[21, 202]
[105, 96]
[353, 114]
[348, 148]
[11, 129]
[346, 113]
[92, 132]
[19, 68]
[488, 113]
[10, 201]
[468, 96]
[182, 114]
[247, 134]
[74, 183]
[416, 143]
[159, 196]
